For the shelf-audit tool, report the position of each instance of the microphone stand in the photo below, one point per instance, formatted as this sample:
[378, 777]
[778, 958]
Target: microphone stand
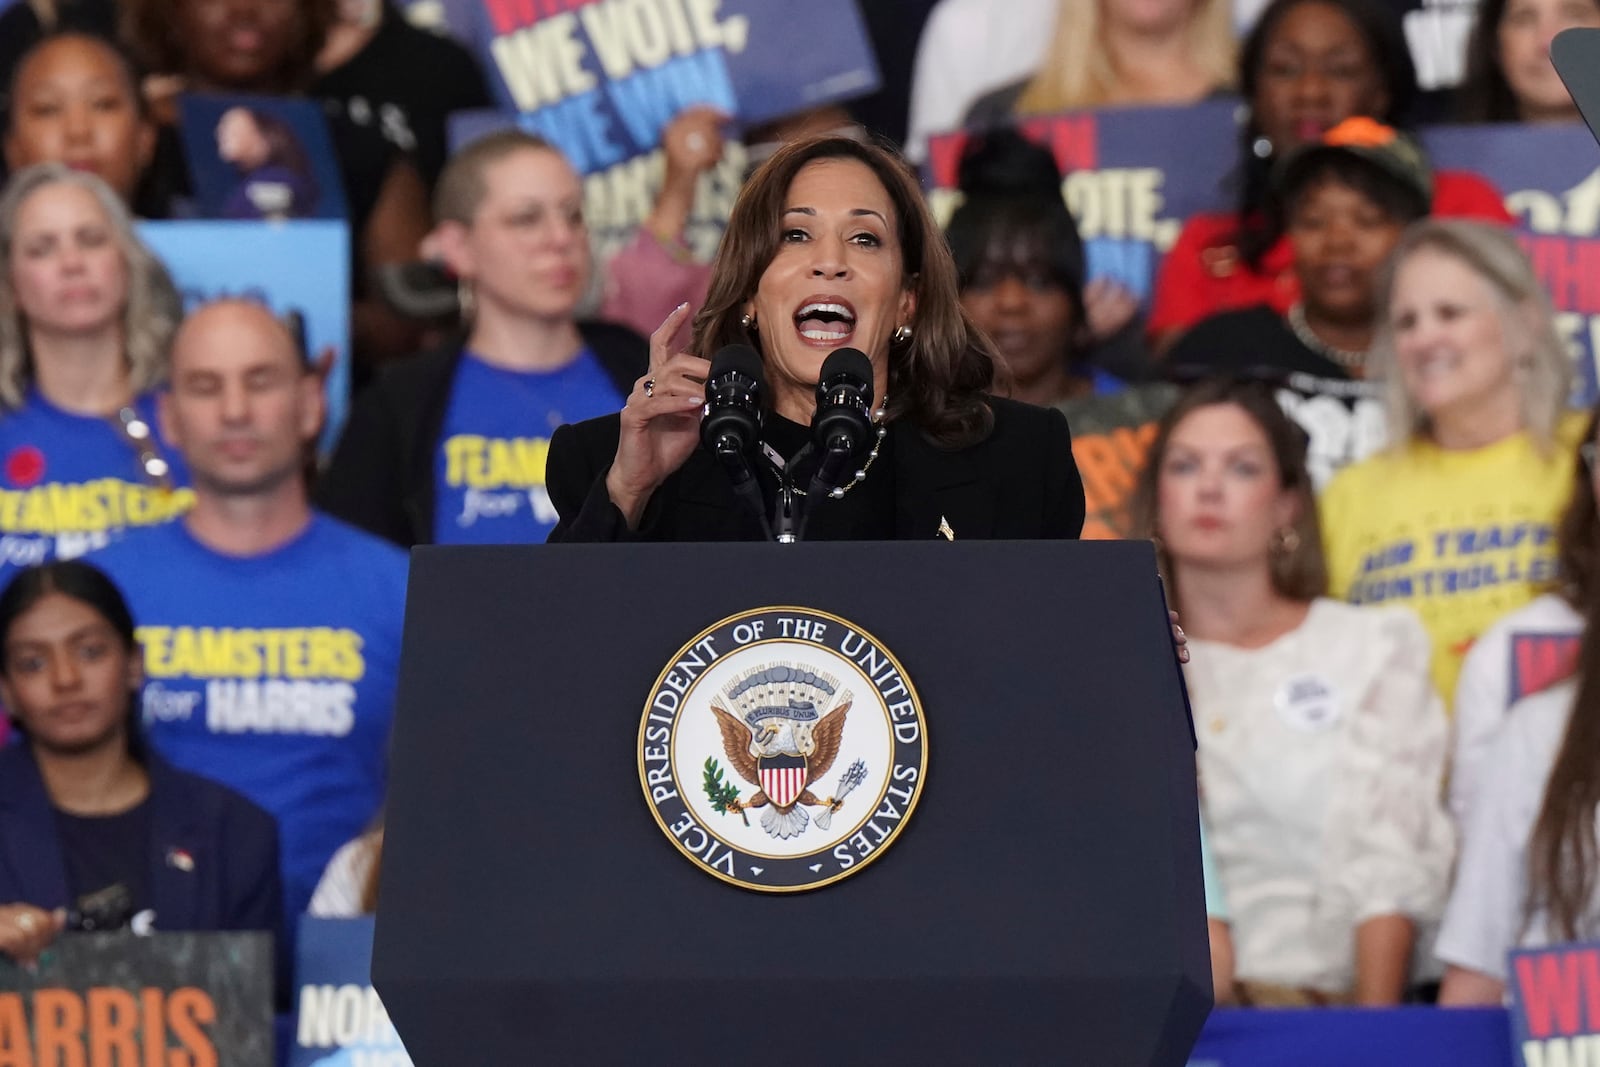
[831, 472]
[743, 479]
[788, 520]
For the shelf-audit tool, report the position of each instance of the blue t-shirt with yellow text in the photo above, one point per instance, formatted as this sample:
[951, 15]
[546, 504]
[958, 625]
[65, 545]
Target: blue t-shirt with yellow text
[71, 483]
[273, 674]
[489, 470]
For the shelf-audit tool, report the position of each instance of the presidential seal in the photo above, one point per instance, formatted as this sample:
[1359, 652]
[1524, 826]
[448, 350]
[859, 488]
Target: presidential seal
[783, 749]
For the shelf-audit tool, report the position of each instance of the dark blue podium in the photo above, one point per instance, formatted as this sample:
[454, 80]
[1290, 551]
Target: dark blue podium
[1044, 905]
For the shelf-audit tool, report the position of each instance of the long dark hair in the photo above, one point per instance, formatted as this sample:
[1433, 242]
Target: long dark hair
[1259, 227]
[1299, 573]
[1484, 95]
[1561, 852]
[938, 378]
[86, 584]
[1578, 533]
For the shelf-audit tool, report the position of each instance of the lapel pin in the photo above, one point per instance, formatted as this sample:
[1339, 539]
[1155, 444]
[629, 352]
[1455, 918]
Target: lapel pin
[944, 529]
[178, 859]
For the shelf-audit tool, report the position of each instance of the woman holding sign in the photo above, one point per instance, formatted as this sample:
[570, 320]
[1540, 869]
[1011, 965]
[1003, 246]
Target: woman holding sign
[830, 246]
[101, 833]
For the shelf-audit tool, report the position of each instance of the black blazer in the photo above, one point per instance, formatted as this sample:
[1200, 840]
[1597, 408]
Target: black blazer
[213, 854]
[381, 475]
[1020, 482]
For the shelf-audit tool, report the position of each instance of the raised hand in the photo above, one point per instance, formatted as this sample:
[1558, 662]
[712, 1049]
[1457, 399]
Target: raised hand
[660, 422]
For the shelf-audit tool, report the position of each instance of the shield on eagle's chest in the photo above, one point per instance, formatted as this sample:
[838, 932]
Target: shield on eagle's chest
[783, 778]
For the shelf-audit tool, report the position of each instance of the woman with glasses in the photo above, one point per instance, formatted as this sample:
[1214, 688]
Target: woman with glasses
[86, 314]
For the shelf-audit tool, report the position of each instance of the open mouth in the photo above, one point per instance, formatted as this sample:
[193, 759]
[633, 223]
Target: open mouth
[826, 321]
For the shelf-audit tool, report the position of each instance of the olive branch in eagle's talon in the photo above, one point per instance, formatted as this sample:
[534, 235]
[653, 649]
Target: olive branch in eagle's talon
[724, 795]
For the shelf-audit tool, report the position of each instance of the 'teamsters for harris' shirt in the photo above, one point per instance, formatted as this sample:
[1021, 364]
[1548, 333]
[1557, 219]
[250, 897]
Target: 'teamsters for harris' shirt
[72, 483]
[489, 470]
[273, 674]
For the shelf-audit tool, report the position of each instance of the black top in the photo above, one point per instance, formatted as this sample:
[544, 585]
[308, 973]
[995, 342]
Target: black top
[381, 477]
[1252, 341]
[403, 84]
[1019, 482]
[1343, 416]
[108, 865]
[864, 513]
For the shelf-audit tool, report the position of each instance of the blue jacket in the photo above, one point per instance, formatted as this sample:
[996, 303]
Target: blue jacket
[213, 857]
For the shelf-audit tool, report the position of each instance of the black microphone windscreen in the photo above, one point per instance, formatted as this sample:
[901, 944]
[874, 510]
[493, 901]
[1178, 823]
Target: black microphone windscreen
[737, 358]
[851, 362]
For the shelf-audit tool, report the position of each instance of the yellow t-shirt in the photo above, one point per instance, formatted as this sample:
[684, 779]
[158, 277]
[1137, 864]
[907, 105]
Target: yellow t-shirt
[1462, 537]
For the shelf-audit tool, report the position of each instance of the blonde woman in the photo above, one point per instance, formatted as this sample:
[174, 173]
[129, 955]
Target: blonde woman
[1457, 518]
[1123, 53]
[86, 314]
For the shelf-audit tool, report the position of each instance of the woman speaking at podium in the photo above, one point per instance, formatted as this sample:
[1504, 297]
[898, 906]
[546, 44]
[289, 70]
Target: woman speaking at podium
[830, 246]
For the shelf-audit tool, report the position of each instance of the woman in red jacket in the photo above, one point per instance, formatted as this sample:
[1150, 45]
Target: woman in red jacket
[1307, 66]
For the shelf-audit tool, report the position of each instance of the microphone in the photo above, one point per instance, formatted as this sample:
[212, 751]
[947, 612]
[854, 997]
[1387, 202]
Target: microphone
[842, 425]
[731, 426]
[732, 422]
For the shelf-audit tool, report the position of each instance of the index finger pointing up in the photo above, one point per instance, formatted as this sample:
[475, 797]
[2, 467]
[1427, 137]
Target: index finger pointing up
[666, 335]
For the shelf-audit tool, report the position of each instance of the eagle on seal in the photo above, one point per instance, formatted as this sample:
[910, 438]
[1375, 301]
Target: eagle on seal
[781, 756]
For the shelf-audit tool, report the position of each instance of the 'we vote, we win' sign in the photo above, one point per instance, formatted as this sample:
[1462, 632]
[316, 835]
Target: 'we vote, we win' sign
[602, 78]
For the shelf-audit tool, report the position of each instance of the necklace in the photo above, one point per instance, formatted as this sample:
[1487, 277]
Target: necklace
[877, 420]
[1349, 360]
[834, 494]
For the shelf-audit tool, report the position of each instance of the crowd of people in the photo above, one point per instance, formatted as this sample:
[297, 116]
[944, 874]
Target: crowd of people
[1394, 688]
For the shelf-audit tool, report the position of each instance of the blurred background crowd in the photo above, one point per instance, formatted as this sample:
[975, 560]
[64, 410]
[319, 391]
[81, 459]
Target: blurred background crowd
[1357, 437]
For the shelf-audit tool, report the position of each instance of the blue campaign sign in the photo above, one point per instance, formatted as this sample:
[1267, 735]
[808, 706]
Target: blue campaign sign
[602, 78]
[295, 268]
[340, 1022]
[1344, 1037]
[1555, 1004]
[1130, 175]
[617, 200]
[1550, 176]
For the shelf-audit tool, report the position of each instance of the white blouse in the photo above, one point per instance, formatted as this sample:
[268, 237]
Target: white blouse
[1321, 765]
[1487, 914]
[1493, 678]
[344, 881]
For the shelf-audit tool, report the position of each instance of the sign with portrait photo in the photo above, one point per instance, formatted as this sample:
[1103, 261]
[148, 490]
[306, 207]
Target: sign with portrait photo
[260, 157]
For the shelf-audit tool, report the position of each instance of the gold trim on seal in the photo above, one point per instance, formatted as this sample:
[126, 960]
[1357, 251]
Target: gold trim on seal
[861, 863]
